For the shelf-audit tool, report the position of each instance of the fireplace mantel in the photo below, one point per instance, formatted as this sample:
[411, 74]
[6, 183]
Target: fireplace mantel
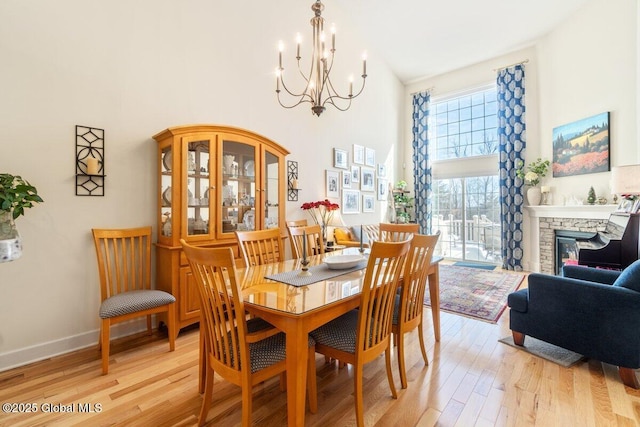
[536, 213]
[578, 211]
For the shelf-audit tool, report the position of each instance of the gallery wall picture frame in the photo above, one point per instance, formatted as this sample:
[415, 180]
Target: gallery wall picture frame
[367, 179]
[350, 202]
[332, 188]
[382, 192]
[368, 203]
[358, 154]
[346, 179]
[582, 147]
[370, 157]
[340, 159]
[382, 170]
[355, 174]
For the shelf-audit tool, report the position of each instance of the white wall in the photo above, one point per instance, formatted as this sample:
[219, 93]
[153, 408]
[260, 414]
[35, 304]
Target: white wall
[584, 67]
[133, 69]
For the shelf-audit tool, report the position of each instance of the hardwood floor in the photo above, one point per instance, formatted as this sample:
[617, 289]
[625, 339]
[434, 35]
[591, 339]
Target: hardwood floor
[471, 380]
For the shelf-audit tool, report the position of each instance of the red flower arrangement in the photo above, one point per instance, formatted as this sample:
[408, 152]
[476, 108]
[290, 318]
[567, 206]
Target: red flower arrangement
[321, 211]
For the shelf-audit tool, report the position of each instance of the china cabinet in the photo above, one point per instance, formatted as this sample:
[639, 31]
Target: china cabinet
[212, 181]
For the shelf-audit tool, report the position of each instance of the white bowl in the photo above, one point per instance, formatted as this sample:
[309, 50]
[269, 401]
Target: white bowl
[342, 262]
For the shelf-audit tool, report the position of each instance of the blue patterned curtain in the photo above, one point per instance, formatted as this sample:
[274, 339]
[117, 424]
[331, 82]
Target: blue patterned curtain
[512, 139]
[421, 163]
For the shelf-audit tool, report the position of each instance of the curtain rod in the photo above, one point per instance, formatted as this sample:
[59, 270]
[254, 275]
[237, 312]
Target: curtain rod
[429, 89]
[511, 65]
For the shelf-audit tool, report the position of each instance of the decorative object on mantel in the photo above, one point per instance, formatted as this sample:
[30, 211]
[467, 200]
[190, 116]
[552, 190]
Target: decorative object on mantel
[318, 82]
[546, 191]
[89, 161]
[581, 147]
[16, 195]
[535, 171]
[591, 196]
[322, 213]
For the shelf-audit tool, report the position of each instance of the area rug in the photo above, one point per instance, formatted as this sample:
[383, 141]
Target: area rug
[474, 265]
[550, 352]
[475, 293]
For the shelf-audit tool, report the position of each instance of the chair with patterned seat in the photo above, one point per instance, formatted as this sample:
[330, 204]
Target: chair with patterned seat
[233, 352]
[360, 336]
[124, 268]
[407, 314]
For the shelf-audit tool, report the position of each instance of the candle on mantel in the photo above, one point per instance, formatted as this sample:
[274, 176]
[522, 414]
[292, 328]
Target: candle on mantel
[545, 189]
[92, 166]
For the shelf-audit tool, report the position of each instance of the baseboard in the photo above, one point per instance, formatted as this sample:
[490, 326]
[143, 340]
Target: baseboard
[38, 352]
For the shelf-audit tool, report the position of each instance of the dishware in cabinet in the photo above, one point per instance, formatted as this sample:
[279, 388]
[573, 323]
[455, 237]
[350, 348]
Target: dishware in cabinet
[213, 180]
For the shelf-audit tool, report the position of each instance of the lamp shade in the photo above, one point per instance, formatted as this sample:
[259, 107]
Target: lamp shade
[625, 180]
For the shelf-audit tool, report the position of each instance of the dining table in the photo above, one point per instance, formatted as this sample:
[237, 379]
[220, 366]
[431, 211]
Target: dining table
[298, 309]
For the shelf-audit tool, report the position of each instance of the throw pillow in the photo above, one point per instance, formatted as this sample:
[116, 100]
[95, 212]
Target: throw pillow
[355, 231]
[630, 277]
[341, 235]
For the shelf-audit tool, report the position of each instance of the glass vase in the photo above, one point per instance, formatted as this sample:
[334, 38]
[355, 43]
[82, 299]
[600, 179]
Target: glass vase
[10, 241]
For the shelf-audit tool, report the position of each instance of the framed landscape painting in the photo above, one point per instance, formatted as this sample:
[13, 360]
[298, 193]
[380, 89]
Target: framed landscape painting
[581, 147]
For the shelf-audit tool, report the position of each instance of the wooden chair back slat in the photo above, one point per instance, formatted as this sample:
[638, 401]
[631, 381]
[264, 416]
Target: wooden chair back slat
[415, 276]
[397, 232]
[378, 294]
[315, 243]
[261, 246]
[124, 260]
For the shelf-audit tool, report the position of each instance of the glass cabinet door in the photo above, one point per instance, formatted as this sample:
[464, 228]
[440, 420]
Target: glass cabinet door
[239, 187]
[271, 195]
[198, 183]
[166, 170]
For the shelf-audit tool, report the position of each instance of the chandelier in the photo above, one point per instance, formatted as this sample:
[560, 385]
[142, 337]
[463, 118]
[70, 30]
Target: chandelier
[319, 89]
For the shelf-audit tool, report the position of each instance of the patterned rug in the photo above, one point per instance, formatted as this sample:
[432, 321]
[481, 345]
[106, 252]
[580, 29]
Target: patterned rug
[475, 293]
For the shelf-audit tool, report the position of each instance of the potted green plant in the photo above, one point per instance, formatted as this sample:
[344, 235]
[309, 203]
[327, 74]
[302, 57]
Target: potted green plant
[531, 175]
[16, 195]
[401, 185]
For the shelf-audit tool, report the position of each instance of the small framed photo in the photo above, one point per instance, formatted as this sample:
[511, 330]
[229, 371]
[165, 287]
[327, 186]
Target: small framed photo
[346, 289]
[382, 170]
[368, 202]
[346, 179]
[358, 154]
[368, 179]
[383, 191]
[339, 158]
[331, 291]
[355, 174]
[332, 180]
[350, 201]
[370, 157]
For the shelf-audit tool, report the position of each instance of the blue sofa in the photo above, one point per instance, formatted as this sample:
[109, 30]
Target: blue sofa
[590, 311]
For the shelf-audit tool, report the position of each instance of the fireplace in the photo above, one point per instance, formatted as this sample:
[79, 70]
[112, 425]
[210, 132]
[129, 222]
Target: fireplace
[567, 248]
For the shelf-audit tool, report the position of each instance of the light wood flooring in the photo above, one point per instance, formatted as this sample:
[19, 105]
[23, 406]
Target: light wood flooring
[471, 380]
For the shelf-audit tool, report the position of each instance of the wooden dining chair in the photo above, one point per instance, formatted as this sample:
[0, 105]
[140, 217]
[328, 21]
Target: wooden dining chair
[233, 352]
[397, 232]
[407, 313]
[296, 223]
[314, 241]
[360, 336]
[260, 246]
[124, 269]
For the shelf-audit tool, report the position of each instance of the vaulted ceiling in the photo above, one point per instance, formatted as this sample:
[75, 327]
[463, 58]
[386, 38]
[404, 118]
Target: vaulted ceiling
[423, 38]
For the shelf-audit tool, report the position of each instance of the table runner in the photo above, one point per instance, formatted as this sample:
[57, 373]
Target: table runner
[318, 274]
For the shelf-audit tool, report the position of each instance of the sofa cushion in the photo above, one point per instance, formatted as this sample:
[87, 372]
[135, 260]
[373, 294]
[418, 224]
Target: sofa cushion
[341, 234]
[355, 232]
[630, 277]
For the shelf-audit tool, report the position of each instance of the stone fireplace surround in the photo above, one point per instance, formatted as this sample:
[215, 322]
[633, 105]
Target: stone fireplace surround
[544, 220]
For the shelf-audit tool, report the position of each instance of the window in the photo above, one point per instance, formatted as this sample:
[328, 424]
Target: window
[463, 147]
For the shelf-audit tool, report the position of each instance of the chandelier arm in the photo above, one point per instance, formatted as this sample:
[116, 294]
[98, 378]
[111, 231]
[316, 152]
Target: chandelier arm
[303, 95]
[329, 100]
[300, 101]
